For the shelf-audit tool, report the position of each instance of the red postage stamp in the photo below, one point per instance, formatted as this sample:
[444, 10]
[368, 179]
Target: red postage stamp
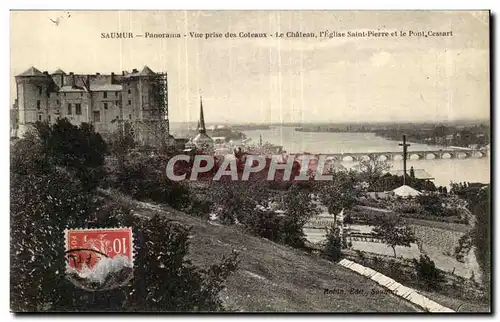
[99, 259]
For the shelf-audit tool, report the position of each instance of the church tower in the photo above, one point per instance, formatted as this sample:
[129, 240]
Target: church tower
[202, 141]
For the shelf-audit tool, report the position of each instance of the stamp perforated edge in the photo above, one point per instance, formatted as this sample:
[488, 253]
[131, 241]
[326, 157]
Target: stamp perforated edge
[132, 253]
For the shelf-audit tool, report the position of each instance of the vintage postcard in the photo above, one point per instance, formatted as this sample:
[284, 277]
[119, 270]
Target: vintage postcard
[250, 161]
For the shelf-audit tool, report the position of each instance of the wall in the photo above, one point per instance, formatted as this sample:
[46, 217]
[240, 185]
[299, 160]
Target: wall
[398, 289]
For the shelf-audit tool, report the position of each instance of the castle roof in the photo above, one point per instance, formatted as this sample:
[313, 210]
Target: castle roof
[32, 71]
[59, 71]
[146, 71]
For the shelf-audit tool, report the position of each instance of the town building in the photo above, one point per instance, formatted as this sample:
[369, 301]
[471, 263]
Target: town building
[136, 102]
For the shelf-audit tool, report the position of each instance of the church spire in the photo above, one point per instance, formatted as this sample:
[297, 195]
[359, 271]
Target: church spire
[201, 128]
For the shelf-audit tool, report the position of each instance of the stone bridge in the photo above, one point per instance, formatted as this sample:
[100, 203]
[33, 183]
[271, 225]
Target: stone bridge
[411, 155]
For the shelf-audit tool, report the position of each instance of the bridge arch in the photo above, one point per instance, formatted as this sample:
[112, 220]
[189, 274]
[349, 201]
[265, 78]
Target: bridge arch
[365, 158]
[430, 156]
[446, 155]
[347, 158]
[478, 154]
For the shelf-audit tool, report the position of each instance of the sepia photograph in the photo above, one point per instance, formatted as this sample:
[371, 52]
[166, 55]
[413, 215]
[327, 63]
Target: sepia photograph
[250, 161]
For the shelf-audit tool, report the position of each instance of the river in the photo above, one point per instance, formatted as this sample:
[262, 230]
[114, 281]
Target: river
[443, 170]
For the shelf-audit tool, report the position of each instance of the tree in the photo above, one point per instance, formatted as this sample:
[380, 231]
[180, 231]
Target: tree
[394, 232]
[77, 148]
[333, 246]
[372, 170]
[340, 193]
[49, 194]
[478, 199]
[120, 144]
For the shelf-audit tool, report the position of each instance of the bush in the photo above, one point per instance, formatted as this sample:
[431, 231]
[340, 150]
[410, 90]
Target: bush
[49, 195]
[333, 246]
[79, 149]
[427, 272]
[145, 179]
[407, 208]
[276, 227]
[242, 202]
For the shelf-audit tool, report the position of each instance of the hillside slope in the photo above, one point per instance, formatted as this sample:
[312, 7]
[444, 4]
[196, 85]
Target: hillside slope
[273, 277]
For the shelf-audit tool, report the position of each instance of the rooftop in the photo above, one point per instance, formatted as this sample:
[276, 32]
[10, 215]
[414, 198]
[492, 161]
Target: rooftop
[32, 71]
[419, 174]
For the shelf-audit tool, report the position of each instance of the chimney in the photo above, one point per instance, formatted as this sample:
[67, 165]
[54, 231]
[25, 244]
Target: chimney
[112, 78]
[71, 79]
[98, 74]
[46, 73]
[135, 71]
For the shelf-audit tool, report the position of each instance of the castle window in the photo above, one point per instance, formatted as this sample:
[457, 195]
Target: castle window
[97, 116]
[129, 91]
[57, 102]
[69, 109]
[130, 116]
[105, 94]
[78, 108]
[129, 102]
[116, 94]
[105, 106]
[39, 117]
[81, 94]
[37, 105]
[40, 90]
[49, 118]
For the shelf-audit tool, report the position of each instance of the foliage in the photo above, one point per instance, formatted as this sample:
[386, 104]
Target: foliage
[144, 178]
[77, 148]
[248, 203]
[333, 246]
[407, 207]
[372, 170]
[121, 143]
[49, 194]
[394, 232]
[478, 199]
[164, 279]
[339, 193]
[427, 272]
[431, 204]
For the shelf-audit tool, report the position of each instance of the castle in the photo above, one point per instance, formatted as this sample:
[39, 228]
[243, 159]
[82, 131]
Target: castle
[135, 101]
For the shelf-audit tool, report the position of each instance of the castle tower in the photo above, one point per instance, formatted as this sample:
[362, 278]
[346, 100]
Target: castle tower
[32, 89]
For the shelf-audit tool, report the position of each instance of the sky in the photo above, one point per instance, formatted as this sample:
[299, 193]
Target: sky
[270, 80]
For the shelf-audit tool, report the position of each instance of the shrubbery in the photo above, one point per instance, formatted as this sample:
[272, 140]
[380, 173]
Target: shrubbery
[49, 195]
[145, 179]
[333, 246]
[427, 272]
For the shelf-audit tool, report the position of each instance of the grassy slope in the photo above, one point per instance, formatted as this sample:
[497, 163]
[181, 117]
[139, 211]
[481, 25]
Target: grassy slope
[273, 277]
